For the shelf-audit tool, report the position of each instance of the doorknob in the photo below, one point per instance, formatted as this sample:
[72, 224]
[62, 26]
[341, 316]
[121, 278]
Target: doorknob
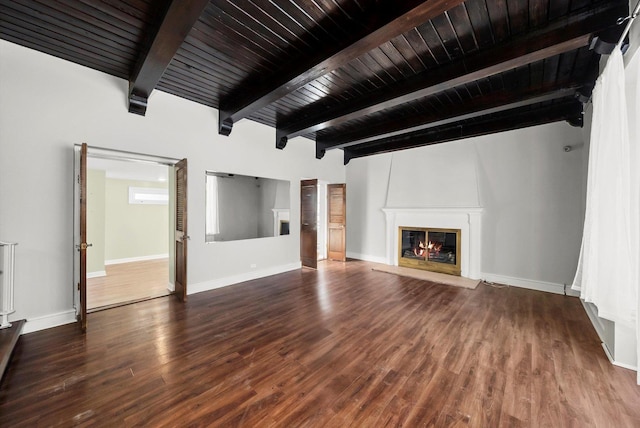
[83, 246]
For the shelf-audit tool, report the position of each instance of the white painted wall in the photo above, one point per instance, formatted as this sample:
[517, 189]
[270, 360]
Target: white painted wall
[96, 222]
[48, 105]
[245, 206]
[634, 35]
[274, 194]
[367, 188]
[238, 207]
[530, 190]
[445, 177]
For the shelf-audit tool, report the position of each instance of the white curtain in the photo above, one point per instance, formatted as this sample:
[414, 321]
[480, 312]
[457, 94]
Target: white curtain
[212, 222]
[607, 269]
[634, 139]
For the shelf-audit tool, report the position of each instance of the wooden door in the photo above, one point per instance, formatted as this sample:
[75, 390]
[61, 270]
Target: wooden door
[309, 223]
[82, 247]
[337, 236]
[181, 231]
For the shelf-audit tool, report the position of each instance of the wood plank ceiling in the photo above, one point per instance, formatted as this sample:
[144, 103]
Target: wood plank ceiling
[364, 76]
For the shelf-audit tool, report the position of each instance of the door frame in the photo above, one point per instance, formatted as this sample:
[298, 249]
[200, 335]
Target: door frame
[308, 225]
[180, 230]
[323, 220]
[337, 224]
[113, 154]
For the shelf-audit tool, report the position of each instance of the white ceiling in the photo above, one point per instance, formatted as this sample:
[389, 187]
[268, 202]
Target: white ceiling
[129, 170]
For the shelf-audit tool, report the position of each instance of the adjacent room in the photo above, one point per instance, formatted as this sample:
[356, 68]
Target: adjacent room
[319, 213]
[128, 215]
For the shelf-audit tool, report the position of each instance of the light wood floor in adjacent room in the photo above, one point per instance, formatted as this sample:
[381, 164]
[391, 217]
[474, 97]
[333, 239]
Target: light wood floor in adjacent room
[128, 282]
[340, 346]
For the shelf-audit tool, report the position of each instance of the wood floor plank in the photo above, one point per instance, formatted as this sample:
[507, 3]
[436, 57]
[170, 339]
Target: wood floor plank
[340, 346]
[128, 282]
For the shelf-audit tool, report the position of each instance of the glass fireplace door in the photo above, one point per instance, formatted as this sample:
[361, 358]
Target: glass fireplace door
[432, 249]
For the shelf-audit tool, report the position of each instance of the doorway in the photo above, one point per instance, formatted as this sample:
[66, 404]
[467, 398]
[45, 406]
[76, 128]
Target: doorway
[128, 226]
[322, 222]
[177, 213]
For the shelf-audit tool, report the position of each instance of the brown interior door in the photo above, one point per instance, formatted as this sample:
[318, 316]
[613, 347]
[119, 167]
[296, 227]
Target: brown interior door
[82, 248]
[181, 231]
[337, 236]
[309, 223]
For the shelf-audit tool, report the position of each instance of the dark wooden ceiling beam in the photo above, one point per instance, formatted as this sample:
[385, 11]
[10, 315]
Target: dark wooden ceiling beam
[176, 23]
[559, 37]
[494, 102]
[385, 22]
[569, 110]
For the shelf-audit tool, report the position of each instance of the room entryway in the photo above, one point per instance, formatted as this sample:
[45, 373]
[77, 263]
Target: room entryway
[130, 231]
[309, 223]
[128, 226]
[322, 222]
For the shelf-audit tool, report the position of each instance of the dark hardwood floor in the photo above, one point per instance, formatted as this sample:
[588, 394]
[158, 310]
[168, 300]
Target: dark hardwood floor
[341, 346]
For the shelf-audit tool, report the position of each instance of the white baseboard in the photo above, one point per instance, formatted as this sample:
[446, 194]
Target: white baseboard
[596, 321]
[136, 259]
[592, 313]
[571, 292]
[235, 279]
[549, 287]
[619, 364]
[171, 287]
[96, 274]
[367, 258]
[49, 321]
[616, 363]
[608, 353]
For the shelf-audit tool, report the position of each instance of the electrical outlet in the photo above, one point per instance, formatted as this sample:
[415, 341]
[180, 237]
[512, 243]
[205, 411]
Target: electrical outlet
[253, 265]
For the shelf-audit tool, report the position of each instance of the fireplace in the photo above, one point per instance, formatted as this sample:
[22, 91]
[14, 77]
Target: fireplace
[465, 219]
[433, 249]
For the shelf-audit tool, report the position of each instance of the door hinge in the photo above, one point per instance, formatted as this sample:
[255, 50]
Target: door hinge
[78, 178]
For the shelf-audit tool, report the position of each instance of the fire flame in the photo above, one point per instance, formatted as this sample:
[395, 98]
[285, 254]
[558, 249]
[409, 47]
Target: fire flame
[429, 248]
[435, 246]
[434, 249]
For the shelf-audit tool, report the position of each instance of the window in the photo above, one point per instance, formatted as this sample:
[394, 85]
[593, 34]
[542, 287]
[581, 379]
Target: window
[212, 222]
[244, 206]
[148, 196]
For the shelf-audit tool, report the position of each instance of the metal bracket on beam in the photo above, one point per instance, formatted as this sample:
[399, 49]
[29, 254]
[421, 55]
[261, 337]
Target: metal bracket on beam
[584, 94]
[321, 149]
[601, 46]
[224, 125]
[605, 41]
[137, 104]
[348, 155]
[281, 141]
[576, 121]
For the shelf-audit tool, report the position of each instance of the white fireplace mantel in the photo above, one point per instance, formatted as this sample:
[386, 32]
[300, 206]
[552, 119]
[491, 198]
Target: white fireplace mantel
[467, 219]
[279, 215]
